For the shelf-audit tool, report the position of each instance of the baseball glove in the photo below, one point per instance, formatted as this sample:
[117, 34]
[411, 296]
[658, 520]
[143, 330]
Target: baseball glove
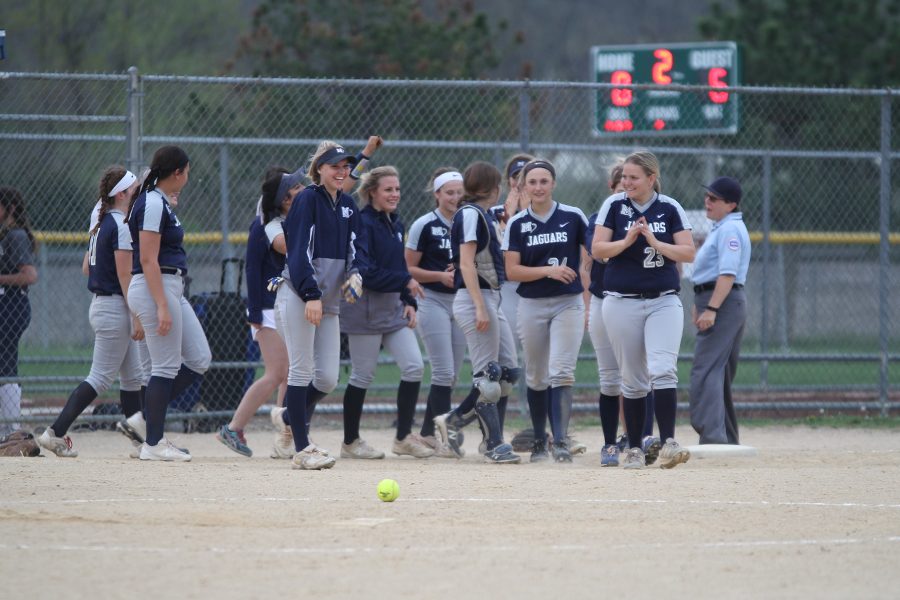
[352, 288]
[523, 441]
[19, 443]
[274, 283]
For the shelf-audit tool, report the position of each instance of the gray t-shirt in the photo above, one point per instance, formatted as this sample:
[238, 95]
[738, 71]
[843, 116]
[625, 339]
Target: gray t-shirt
[15, 250]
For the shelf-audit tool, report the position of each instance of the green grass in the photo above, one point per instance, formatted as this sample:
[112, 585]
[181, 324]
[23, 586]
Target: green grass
[813, 373]
[857, 421]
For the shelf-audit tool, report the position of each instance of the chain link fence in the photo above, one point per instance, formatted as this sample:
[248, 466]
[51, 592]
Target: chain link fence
[815, 165]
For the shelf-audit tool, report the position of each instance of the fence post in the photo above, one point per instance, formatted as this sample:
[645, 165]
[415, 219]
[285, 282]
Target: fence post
[766, 258]
[133, 133]
[224, 205]
[524, 118]
[884, 254]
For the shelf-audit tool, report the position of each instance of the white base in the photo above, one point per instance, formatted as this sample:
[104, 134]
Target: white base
[722, 451]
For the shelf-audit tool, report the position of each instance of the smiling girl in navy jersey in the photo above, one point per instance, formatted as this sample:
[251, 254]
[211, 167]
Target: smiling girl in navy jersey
[643, 234]
[543, 246]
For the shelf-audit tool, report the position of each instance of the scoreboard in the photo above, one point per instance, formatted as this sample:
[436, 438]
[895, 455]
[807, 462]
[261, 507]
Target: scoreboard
[661, 111]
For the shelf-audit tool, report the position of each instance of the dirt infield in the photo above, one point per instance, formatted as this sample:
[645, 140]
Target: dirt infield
[816, 514]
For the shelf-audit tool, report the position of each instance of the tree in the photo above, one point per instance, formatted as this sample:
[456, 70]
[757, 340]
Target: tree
[812, 42]
[370, 38]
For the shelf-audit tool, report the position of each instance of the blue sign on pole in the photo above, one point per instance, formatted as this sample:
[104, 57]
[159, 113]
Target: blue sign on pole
[2, 44]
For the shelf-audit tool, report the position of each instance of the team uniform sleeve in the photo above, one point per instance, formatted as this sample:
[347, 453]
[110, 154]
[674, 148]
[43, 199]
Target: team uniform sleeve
[95, 216]
[273, 230]
[680, 222]
[253, 260]
[301, 224]
[123, 236]
[19, 248]
[728, 247]
[605, 216]
[414, 240]
[470, 222]
[154, 211]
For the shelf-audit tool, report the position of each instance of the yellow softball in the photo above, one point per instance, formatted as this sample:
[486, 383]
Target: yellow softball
[388, 490]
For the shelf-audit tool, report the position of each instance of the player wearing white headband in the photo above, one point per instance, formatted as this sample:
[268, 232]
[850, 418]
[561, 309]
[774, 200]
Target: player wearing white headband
[115, 330]
[430, 262]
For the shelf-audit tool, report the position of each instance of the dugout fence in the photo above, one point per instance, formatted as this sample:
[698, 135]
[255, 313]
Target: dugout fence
[816, 166]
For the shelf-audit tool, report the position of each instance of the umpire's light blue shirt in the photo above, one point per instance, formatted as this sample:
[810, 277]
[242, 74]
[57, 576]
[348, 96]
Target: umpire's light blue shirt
[726, 251]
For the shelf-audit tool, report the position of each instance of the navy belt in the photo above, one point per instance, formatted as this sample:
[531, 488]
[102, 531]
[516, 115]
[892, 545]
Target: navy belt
[711, 285]
[106, 294]
[649, 295]
[171, 271]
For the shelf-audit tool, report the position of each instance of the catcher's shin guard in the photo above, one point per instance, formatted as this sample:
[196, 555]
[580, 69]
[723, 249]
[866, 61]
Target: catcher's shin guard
[490, 420]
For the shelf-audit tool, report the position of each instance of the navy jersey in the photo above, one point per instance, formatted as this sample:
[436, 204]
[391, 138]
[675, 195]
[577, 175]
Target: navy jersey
[112, 235]
[262, 263]
[640, 269]
[322, 238]
[430, 235]
[385, 268]
[471, 223]
[151, 212]
[598, 268]
[384, 275]
[555, 239]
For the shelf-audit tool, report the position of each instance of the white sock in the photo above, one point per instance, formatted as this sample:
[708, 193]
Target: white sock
[10, 407]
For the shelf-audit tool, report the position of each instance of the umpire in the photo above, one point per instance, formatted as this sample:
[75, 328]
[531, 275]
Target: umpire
[719, 312]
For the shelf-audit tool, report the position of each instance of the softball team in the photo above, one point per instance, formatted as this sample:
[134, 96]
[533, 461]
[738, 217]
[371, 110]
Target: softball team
[643, 234]
[324, 258]
[179, 352]
[543, 248]
[479, 269]
[385, 315]
[430, 262]
[264, 261]
[115, 330]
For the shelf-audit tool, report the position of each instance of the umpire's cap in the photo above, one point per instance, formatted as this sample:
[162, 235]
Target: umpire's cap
[726, 188]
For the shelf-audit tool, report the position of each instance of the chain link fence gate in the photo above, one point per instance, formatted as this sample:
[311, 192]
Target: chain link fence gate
[815, 165]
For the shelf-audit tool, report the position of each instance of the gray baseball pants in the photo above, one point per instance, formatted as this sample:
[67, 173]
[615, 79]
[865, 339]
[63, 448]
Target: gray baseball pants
[496, 343]
[401, 344]
[551, 330]
[645, 336]
[115, 353]
[607, 367]
[185, 343]
[444, 341]
[314, 353]
[715, 364]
